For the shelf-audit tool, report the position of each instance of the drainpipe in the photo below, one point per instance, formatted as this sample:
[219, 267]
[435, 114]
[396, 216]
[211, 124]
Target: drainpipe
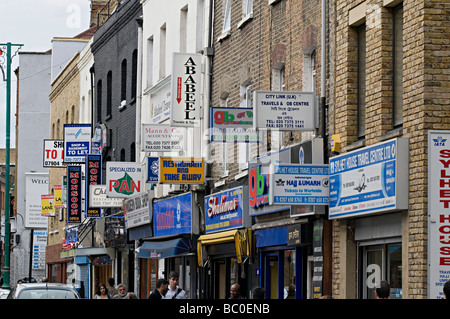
[323, 82]
[209, 52]
[138, 140]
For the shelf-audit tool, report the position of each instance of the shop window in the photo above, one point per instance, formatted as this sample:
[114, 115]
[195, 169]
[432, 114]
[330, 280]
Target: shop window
[381, 262]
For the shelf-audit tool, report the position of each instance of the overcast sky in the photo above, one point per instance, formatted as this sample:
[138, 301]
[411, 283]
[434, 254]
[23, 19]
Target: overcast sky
[34, 23]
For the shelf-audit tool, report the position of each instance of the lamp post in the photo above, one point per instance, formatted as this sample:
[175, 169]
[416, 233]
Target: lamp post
[6, 266]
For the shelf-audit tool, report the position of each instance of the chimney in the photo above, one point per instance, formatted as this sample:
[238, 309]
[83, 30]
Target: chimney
[96, 6]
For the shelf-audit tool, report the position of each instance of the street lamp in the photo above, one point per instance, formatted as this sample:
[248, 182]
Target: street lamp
[9, 45]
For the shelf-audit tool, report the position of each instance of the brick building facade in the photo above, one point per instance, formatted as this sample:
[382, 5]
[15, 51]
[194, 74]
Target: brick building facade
[388, 57]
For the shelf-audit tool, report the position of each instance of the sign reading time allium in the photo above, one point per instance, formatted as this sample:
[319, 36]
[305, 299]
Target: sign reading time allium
[284, 111]
[186, 89]
[162, 138]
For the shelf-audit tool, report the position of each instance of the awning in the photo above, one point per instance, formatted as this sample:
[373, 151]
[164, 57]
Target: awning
[240, 237]
[164, 249]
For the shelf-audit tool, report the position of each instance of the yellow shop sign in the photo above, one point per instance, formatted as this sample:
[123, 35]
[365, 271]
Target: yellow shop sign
[176, 170]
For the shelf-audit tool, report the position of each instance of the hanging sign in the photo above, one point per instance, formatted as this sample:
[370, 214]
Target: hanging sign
[162, 138]
[124, 179]
[97, 197]
[77, 142]
[74, 194]
[153, 169]
[284, 111]
[177, 170]
[438, 212]
[296, 184]
[93, 177]
[58, 203]
[186, 89]
[233, 124]
[47, 208]
[136, 210]
[54, 153]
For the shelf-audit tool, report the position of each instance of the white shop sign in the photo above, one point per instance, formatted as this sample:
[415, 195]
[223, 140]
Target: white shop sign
[162, 138]
[284, 111]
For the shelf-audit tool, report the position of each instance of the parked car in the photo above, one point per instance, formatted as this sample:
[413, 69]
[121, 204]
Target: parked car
[43, 291]
[4, 293]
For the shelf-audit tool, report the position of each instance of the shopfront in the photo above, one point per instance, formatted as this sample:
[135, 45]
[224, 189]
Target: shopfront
[285, 265]
[176, 224]
[224, 252]
[369, 198]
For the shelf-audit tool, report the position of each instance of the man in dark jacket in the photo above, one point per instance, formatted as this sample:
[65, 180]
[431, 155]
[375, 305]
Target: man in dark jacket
[162, 285]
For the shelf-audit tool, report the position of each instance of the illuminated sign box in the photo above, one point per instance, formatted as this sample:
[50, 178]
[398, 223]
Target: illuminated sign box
[370, 180]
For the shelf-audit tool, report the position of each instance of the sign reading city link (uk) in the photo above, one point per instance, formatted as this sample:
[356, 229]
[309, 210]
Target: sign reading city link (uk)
[124, 179]
[177, 170]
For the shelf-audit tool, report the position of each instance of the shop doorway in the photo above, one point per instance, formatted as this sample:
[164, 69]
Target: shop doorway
[380, 262]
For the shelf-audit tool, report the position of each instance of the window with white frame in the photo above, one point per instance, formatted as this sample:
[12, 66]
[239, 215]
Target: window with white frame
[244, 148]
[247, 8]
[227, 16]
[278, 84]
[224, 99]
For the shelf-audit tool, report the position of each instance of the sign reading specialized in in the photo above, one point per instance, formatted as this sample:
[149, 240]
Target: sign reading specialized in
[77, 142]
[224, 210]
[299, 184]
[93, 177]
[153, 169]
[186, 89]
[438, 212]
[373, 179]
[173, 216]
[74, 194]
[54, 153]
[97, 197]
[162, 138]
[136, 210]
[124, 179]
[177, 170]
[233, 124]
[284, 111]
[47, 208]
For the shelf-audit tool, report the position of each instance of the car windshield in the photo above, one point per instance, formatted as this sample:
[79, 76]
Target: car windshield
[46, 294]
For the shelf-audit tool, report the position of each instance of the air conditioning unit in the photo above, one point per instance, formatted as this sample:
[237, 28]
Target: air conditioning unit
[122, 105]
[176, 188]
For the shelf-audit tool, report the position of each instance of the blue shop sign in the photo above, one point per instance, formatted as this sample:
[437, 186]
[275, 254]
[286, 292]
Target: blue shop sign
[224, 210]
[373, 179]
[173, 216]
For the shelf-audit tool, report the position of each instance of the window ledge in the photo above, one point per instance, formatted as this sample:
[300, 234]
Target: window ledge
[244, 20]
[273, 2]
[225, 34]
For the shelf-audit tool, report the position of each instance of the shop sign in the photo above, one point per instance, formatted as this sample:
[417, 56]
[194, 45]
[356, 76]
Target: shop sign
[39, 247]
[438, 212]
[36, 184]
[178, 170]
[70, 237]
[233, 124]
[162, 138]
[284, 111]
[124, 179]
[160, 101]
[98, 198]
[74, 193]
[294, 235]
[137, 210]
[53, 153]
[77, 142]
[100, 139]
[57, 203]
[186, 89]
[93, 177]
[224, 210]
[173, 216]
[296, 184]
[317, 280]
[152, 169]
[47, 208]
[369, 181]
